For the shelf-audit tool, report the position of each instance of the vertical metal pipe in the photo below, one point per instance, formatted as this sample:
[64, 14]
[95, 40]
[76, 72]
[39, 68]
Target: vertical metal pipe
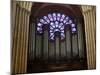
[45, 45]
[57, 48]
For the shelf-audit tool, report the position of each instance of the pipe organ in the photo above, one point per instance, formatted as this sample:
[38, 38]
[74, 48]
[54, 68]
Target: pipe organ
[45, 51]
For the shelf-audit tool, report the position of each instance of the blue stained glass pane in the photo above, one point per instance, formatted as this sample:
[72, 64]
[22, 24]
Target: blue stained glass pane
[61, 24]
[39, 28]
[54, 16]
[62, 17]
[56, 23]
[62, 28]
[51, 31]
[39, 24]
[51, 23]
[62, 35]
[70, 21]
[67, 18]
[46, 18]
[51, 34]
[52, 38]
[56, 29]
[64, 21]
[73, 29]
[72, 25]
[50, 17]
[67, 23]
[42, 21]
[51, 27]
[58, 16]
[62, 31]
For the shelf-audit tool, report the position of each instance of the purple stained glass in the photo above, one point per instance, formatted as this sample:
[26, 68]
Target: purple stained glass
[39, 24]
[56, 29]
[62, 17]
[51, 27]
[60, 25]
[73, 29]
[62, 34]
[70, 21]
[65, 21]
[46, 18]
[67, 18]
[54, 16]
[43, 21]
[51, 34]
[62, 31]
[50, 17]
[51, 23]
[58, 16]
[72, 25]
[57, 23]
[52, 38]
[51, 31]
[39, 28]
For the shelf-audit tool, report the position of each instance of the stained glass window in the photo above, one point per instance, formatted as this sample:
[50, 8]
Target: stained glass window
[57, 23]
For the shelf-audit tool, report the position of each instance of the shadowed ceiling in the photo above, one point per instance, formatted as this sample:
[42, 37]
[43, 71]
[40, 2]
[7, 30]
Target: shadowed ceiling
[41, 9]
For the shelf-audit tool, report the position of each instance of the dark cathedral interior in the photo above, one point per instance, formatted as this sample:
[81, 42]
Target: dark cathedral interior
[56, 40]
[51, 37]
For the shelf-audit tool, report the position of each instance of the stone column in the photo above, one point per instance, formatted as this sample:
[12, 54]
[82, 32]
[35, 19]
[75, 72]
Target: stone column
[18, 41]
[25, 51]
[87, 38]
[93, 30]
[89, 17]
[14, 39]
[20, 38]
[91, 39]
